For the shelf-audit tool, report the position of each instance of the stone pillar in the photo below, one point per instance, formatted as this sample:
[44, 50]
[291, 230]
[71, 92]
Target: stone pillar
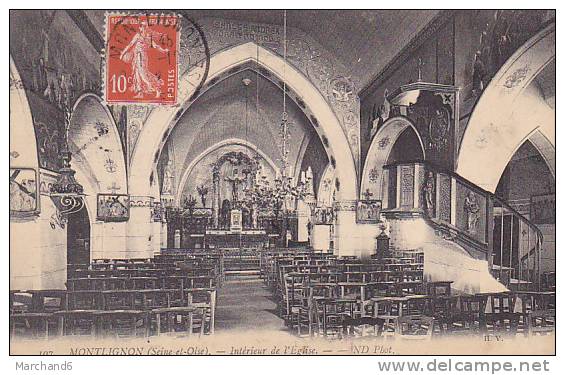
[156, 228]
[164, 234]
[177, 239]
[38, 250]
[112, 243]
[320, 237]
[303, 214]
[351, 238]
[215, 196]
[140, 228]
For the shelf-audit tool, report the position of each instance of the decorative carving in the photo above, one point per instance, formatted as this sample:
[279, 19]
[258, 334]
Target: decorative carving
[113, 207]
[368, 211]
[345, 205]
[101, 128]
[109, 163]
[407, 186]
[23, 191]
[384, 142]
[373, 175]
[444, 204]
[438, 129]
[157, 212]
[324, 216]
[341, 88]
[515, 78]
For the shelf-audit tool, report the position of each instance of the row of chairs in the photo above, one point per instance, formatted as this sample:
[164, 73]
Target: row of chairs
[123, 298]
[328, 303]
[125, 313]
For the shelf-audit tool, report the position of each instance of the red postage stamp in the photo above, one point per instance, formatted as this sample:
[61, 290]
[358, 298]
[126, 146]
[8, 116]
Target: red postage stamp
[141, 59]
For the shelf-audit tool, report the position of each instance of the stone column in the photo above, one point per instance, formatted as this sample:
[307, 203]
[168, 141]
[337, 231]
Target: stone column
[38, 250]
[215, 196]
[351, 238]
[164, 234]
[303, 214]
[320, 237]
[140, 228]
[156, 218]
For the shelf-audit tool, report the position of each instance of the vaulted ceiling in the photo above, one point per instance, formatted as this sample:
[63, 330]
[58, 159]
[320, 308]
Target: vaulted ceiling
[227, 111]
[363, 40]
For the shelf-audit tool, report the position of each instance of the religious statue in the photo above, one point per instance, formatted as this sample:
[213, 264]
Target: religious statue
[480, 74]
[471, 207]
[235, 182]
[380, 115]
[429, 194]
[168, 178]
[202, 191]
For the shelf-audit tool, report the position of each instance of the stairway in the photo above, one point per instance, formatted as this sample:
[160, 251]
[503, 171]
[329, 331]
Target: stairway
[468, 234]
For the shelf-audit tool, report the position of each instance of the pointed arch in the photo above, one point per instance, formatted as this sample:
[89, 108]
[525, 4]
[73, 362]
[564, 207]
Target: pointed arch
[507, 113]
[379, 152]
[162, 119]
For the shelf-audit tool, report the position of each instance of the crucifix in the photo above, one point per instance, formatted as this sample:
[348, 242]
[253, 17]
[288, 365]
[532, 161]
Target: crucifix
[367, 194]
[235, 182]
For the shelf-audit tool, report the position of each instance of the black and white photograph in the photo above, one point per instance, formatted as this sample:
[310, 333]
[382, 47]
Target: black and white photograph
[282, 182]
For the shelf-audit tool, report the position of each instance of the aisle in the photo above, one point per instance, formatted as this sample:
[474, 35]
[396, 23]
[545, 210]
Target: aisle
[246, 304]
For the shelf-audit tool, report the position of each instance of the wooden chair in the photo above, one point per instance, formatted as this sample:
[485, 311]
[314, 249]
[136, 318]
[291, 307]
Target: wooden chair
[33, 325]
[203, 299]
[122, 323]
[501, 317]
[540, 322]
[335, 312]
[443, 309]
[77, 322]
[175, 319]
[471, 315]
[415, 327]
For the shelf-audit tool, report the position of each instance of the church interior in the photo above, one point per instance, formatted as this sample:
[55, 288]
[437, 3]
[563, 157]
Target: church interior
[323, 174]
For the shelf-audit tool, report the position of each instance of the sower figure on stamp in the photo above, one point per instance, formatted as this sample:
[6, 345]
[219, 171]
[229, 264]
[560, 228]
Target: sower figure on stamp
[136, 54]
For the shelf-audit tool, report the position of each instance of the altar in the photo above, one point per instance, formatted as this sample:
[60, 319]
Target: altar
[253, 238]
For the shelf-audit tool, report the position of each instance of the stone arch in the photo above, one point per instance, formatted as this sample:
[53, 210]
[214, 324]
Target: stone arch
[507, 113]
[93, 139]
[226, 142]
[379, 152]
[96, 146]
[162, 119]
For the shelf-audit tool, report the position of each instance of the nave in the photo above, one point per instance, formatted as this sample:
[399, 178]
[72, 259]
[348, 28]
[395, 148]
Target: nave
[304, 293]
[390, 179]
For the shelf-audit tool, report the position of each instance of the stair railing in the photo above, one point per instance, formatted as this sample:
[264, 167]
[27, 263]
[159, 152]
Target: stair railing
[486, 226]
